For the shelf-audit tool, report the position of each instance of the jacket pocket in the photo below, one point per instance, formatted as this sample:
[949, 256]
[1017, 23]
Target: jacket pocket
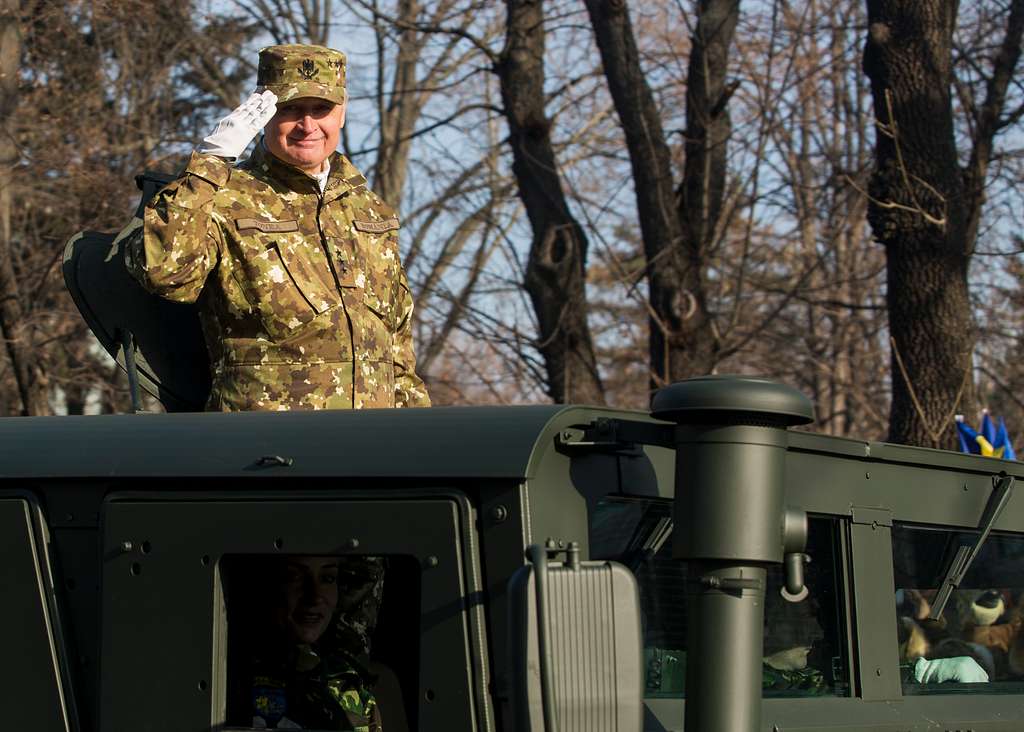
[288, 280]
[382, 304]
[380, 270]
[373, 334]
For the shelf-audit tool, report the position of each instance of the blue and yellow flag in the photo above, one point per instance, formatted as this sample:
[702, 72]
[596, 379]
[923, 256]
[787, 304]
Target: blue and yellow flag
[990, 441]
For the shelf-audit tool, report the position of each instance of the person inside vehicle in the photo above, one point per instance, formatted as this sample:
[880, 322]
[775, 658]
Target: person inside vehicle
[310, 652]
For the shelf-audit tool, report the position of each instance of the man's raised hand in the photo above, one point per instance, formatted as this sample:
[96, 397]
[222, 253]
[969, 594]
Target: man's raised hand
[236, 131]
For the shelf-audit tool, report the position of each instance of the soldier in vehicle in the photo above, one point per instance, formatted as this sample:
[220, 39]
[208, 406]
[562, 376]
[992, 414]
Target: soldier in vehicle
[308, 649]
[292, 260]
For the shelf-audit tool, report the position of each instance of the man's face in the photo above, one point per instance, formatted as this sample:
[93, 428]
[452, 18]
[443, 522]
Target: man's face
[305, 131]
[310, 597]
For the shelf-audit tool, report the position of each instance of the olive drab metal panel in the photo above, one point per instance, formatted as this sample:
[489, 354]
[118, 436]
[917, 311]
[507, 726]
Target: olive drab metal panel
[593, 642]
[30, 678]
[164, 621]
[871, 544]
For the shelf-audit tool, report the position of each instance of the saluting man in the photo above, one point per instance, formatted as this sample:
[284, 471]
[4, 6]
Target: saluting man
[292, 260]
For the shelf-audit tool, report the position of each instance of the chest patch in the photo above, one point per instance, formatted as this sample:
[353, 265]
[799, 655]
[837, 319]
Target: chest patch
[275, 227]
[377, 227]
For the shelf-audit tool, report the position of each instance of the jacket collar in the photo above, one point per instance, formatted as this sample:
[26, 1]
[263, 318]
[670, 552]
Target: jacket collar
[343, 176]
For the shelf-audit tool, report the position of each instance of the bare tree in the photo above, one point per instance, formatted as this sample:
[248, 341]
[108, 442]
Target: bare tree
[556, 268]
[829, 341]
[96, 92]
[18, 336]
[677, 231]
[924, 207]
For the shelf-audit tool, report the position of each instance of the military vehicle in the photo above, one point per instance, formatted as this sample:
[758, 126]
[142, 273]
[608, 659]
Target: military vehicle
[549, 567]
[118, 532]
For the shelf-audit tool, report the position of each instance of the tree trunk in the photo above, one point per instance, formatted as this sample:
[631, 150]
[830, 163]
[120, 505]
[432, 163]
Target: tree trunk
[924, 208]
[675, 233]
[17, 334]
[702, 190]
[555, 271]
[398, 119]
[916, 212]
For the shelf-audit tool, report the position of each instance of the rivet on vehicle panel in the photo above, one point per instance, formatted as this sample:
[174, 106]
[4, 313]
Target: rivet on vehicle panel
[878, 672]
[499, 513]
[867, 475]
[432, 561]
[126, 546]
[202, 685]
[353, 543]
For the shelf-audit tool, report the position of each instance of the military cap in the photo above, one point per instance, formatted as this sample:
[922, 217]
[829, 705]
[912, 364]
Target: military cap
[294, 71]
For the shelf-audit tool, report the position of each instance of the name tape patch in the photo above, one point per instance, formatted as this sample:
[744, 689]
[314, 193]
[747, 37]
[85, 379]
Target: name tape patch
[275, 227]
[377, 227]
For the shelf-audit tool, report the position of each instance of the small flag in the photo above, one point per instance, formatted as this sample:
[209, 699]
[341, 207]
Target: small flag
[1002, 442]
[990, 442]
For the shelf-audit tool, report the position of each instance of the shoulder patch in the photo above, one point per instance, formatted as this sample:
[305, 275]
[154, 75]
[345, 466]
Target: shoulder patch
[275, 227]
[377, 227]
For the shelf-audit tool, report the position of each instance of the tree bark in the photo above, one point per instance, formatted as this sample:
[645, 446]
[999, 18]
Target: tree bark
[702, 190]
[916, 212]
[555, 270]
[17, 333]
[924, 208]
[398, 120]
[676, 227]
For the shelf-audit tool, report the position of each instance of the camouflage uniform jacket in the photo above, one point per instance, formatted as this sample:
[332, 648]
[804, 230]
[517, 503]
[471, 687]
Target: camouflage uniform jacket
[302, 297]
[332, 693]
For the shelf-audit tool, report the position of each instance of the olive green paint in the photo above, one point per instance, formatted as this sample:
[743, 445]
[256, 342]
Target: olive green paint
[473, 487]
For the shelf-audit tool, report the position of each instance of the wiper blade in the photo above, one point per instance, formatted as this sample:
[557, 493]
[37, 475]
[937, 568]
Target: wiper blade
[966, 555]
[650, 543]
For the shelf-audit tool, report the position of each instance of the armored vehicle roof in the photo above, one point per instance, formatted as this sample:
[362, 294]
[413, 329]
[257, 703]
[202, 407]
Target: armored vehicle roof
[441, 442]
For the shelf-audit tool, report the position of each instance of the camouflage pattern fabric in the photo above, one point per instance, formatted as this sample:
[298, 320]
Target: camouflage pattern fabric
[360, 586]
[293, 71]
[302, 297]
[305, 690]
[807, 681]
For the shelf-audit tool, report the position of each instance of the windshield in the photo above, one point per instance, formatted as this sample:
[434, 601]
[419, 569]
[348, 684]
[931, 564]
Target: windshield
[978, 638]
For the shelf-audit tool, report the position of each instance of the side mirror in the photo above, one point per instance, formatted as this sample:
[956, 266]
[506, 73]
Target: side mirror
[575, 646]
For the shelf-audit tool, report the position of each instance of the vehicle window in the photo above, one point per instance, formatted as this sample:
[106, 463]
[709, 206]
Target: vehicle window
[976, 646]
[321, 642]
[804, 652]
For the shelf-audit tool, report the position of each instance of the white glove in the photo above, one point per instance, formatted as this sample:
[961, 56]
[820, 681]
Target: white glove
[235, 132]
[963, 669]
